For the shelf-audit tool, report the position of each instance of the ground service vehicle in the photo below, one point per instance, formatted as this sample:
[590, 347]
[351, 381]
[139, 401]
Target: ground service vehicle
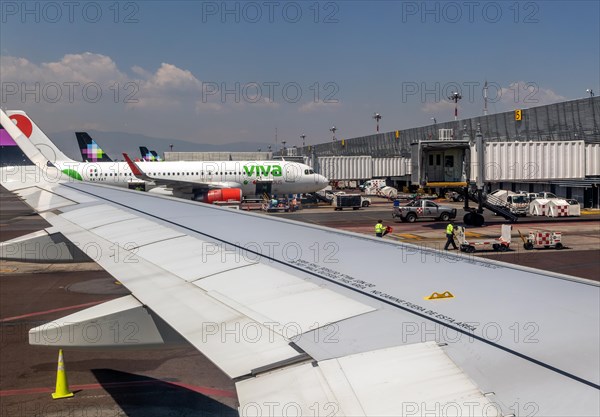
[501, 244]
[371, 187]
[517, 203]
[341, 201]
[544, 239]
[417, 209]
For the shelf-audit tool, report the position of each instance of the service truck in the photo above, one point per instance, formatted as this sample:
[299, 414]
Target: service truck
[418, 209]
[372, 187]
[517, 203]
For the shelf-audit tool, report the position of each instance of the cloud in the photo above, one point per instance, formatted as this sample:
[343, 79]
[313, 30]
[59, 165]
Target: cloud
[526, 94]
[438, 106]
[89, 77]
[72, 68]
[169, 86]
[317, 106]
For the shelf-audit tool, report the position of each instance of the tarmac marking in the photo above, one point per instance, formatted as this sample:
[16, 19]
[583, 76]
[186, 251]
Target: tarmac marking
[40, 313]
[409, 236]
[201, 390]
[473, 234]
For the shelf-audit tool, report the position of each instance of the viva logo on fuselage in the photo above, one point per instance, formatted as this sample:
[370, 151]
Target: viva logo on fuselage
[263, 170]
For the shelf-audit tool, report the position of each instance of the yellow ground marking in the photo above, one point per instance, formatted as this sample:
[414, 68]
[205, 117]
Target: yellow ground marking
[409, 236]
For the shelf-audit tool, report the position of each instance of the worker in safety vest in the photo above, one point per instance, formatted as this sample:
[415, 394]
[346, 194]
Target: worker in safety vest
[379, 228]
[450, 236]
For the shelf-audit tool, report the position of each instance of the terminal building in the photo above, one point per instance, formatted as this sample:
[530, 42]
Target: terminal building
[553, 148]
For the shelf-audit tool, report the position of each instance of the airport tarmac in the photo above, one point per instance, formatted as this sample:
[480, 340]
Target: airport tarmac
[179, 381]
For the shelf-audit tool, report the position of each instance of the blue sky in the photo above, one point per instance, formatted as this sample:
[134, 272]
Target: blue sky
[214, 72]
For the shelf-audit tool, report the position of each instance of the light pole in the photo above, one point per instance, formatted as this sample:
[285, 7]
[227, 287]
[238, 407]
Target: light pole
[377, 117]
[455, 97]
[171, 147]
[434, 125]
[303, 136]
[283, 142]
[333, 130]
[590, 92]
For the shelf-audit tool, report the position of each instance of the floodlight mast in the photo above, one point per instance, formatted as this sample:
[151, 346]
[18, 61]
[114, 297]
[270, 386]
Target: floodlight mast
[333, 129]
[455, 97]
[377, 117]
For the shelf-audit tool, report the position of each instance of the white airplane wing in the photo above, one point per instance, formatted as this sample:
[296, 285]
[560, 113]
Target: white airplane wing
[312, 321]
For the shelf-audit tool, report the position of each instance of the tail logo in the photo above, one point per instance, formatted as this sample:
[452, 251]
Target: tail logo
[93, 152]
[23, 123]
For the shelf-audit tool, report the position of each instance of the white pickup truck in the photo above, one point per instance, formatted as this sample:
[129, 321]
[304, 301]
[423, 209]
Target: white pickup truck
[418, 209]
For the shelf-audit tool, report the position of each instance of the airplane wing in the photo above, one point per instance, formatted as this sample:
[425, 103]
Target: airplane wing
[185, 186]
[313, 321]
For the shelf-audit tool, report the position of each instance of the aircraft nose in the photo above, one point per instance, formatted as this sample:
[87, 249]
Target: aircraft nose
[322, 180]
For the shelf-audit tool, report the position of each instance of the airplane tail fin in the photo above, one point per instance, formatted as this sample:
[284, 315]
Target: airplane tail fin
[10, 153]
[156, 156]
[146, 154]
[37, 137]
[90, 151]
[18, 135]
[149, 155]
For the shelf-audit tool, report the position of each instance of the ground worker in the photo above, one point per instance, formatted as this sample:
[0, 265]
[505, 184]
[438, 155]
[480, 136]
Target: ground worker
[379, 228]
[450, 236]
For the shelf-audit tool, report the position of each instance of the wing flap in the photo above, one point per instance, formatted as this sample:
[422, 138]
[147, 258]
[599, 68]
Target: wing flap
[414, 380]
[42, 200]
[290, 304]
[123, 322]
[99, 215]
[191, 258]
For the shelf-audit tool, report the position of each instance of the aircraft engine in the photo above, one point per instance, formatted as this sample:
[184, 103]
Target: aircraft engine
[224, 194]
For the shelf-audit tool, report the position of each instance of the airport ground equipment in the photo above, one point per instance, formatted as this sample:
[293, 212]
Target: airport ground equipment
[417, 209]
[502, 244]
[341, 201]
[546, 239]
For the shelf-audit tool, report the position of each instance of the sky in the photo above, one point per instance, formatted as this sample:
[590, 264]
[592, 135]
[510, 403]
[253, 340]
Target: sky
[219, 72]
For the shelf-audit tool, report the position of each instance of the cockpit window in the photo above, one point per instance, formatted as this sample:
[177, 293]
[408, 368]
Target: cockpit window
[308, 171]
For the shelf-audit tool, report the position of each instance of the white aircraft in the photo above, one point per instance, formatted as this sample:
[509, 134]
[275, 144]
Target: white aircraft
[302, 324]
[206, 181]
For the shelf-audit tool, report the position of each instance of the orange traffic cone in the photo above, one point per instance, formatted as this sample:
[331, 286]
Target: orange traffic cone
[62, 385]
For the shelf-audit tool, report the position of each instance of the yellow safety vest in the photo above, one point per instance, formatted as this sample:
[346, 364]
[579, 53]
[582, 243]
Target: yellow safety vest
[379, 228]
[449, 229]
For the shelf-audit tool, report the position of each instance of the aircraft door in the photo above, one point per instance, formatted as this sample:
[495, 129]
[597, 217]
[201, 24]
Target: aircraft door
[292, 172]
[263, 187]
